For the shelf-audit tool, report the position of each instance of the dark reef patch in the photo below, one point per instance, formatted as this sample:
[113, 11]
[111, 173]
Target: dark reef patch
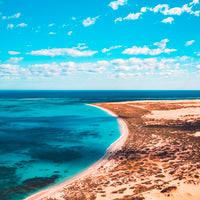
[27, 186]
[8, 176]
[57, 155]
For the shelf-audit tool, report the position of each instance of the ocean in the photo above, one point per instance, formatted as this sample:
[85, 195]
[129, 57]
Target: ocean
[47, 137]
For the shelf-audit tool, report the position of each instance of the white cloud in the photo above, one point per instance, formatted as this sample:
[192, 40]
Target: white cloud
[168, 20]
[15, 60]
[10, 71]
[150, 67]
[137, 50]
[50, 25]
[126, 68]
[14, 16]
[8, 66]
[115, 4]
[81, 46]
[166, 10]
[162, 44]
[196, 13]
[45, 70]
[194, 2]
[52, 33]
[90, 68]
[89, 21]
[177, 10]
[68, 64]
[169, 50]
[66, 68]
[143, 9]
[128, 75]
[119, 19]
[69, 33]
[17, 15]
[140, 64]
[73, 18]
[111, 48]
[22, 25]
[74, 52]
[147, 51]
[172, 11]
[118, 62]
[10, 26]
[103, 63]
[184, 58]
[14, 52]
[188, 43]
[131, 16]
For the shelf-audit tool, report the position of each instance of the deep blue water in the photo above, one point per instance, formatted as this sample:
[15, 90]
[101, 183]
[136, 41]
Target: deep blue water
[92, 96]
[47, 137]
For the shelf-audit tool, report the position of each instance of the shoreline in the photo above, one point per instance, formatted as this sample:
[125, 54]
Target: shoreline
[150, 160]
[116, 145]
[152, 101]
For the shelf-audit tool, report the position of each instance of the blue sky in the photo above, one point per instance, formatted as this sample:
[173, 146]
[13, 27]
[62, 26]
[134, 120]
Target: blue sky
[102, 44]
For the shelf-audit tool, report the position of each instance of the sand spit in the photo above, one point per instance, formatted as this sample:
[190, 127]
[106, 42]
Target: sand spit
[156, 158]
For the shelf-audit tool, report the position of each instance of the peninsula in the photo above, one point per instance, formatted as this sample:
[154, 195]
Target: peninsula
[156, 157]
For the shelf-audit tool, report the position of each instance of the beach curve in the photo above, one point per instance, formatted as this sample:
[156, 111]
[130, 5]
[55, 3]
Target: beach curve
[154, 162]
[115, 146]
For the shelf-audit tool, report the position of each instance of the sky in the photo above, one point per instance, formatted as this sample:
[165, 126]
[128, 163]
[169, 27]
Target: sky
[100, 45]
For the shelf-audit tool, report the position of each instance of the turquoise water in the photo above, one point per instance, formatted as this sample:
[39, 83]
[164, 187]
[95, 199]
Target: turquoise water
[46, 141]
